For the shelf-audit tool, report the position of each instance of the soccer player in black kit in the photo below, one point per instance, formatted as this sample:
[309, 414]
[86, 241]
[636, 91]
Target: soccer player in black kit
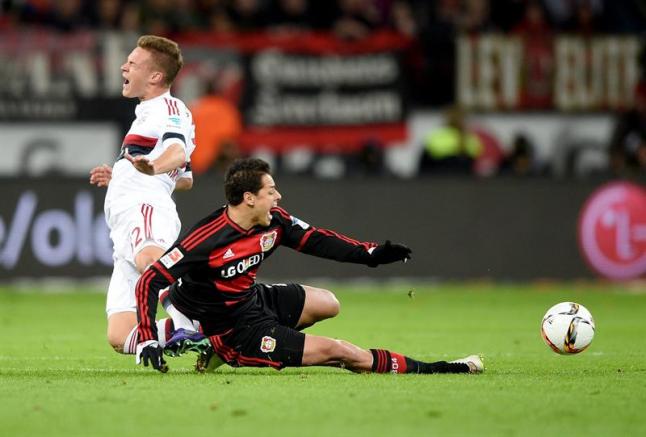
[211, 271]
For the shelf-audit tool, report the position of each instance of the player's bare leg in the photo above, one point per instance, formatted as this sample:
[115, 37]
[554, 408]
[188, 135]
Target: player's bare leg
[122, 331]
[320, 304]
[325, 351]
[120, 325]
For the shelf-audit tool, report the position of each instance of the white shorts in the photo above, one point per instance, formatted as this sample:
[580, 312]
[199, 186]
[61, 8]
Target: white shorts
[132, 230]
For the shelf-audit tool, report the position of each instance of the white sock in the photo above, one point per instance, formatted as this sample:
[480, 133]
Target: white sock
[130, 345]
[179, 319]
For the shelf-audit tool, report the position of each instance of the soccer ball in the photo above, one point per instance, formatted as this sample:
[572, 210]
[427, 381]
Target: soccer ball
[568, 328]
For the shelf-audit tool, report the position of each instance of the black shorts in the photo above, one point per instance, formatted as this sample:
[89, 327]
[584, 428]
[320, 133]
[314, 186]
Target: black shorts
[265, 335]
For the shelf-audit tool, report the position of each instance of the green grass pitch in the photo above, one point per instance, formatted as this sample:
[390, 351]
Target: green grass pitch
[58, 376]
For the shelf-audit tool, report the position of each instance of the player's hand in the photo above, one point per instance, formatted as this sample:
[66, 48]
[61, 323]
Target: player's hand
[150, 351]
[389, 253]
[141, 163]
[101, 175]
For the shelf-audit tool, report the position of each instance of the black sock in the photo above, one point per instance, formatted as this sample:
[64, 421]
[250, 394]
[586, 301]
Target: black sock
[384, 361]
[443, 367]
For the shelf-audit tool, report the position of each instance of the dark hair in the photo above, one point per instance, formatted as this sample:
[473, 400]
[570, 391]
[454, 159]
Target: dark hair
[244, 175]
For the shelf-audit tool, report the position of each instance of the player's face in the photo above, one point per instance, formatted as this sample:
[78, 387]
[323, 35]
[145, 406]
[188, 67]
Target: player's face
[136, 72]
[267, 198]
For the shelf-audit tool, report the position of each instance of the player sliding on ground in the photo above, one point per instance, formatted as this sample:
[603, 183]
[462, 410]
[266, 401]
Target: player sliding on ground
[212, 269]
[139, 209]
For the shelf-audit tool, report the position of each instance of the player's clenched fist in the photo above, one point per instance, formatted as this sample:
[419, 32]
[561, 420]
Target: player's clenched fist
[101, 175]
[389, 253]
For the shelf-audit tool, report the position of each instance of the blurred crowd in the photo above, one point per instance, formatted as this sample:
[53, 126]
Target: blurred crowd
[432, 25]
[347, 18]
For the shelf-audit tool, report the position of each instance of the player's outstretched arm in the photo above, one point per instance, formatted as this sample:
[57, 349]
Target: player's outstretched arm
[101, 175]
[172, 158]
[389, 253]
[332, 245]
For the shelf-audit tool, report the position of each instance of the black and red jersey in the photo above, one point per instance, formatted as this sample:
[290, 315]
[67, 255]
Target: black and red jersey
[216, 263]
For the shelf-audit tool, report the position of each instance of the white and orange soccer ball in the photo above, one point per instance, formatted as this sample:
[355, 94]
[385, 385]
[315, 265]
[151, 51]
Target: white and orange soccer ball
[568, 328]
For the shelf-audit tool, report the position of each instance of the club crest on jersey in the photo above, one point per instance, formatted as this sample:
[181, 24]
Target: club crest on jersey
[268, 240]
[171, 258]
[267, 344]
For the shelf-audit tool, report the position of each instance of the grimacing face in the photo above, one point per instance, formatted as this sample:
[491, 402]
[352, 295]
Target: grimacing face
[266, 198]
[136, 73]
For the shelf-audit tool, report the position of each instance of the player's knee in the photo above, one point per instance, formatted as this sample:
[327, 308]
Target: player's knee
[116, 341]
[330, 306]
[334, 306]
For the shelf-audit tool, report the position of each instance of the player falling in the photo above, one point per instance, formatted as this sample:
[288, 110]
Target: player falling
[211, 271]
[139, 209]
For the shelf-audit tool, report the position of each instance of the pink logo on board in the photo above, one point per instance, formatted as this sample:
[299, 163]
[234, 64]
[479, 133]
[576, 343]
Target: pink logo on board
[612, 231]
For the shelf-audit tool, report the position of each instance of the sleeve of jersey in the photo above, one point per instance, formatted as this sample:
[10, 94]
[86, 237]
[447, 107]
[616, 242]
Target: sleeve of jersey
[173, 131]
[323, 243]
[332, 245]
[158, 276]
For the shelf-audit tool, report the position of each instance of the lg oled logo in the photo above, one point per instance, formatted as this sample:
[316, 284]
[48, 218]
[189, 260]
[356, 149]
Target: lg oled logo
[242, 266]
[612, 231]
[56, 237]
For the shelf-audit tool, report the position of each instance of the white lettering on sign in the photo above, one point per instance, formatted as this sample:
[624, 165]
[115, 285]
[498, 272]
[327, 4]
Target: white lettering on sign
[55, 236]
[567, 73]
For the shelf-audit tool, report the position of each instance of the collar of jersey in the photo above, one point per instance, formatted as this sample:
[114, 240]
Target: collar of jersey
[149, 101]
[235, 226]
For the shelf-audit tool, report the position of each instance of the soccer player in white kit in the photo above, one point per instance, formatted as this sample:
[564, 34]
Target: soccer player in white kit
[139, 209]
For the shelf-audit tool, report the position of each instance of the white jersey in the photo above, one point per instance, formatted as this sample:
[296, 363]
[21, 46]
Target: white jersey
[159, 122]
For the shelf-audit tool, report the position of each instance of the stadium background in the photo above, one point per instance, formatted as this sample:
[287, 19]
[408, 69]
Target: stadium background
[342, 98]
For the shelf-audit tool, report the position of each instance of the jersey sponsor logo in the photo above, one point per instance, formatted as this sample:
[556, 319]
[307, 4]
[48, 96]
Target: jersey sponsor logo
[242, 266]
[299, 222]
[612, 231]
[171, 258]
[174, 121]
[228, 254]
[267, 344]
[268, 240]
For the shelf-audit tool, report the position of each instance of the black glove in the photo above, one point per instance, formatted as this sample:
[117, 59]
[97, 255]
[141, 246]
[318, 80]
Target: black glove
[150, 351]
[389, 253]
